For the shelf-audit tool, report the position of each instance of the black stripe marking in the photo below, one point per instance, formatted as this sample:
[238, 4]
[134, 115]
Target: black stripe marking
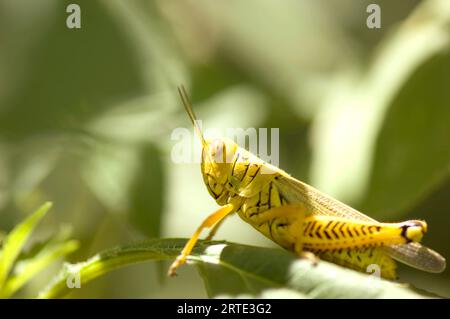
[270, 195]
[258, 203]
[403, 233]
[312, 228]
[240, 205]
[245, 172]
[326, 234]
[373, 228]
[256, 173]
[234, 164]
[318, 231]
[254, 213]
[308, 224]
[363, 230]
[341, 229]
[349, 231]
[333, 229]
[215, 195]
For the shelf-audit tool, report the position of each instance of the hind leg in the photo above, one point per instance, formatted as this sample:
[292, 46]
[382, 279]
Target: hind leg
[289, 236]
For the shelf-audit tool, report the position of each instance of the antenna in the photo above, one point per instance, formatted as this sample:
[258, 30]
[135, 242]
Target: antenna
[188, 107]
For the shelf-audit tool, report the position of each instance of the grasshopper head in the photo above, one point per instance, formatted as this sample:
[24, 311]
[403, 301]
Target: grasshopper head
[218, 159]
[218, 155]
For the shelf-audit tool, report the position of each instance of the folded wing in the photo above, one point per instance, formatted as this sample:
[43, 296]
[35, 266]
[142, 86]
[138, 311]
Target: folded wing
[412, 254]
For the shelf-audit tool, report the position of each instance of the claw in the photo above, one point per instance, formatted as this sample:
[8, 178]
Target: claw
[173, 268]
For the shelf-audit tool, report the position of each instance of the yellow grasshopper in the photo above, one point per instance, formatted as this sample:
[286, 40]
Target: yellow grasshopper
[298, 217]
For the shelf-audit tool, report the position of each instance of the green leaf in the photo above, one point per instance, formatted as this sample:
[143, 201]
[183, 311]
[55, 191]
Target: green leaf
[73, 69]
[146, 192]
[399, 109]
[129, 180]
[233, 269]
[413, 148]
[13, 243]
[39, 257]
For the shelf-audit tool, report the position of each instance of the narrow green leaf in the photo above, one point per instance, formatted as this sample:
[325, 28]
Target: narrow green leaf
[28, 268]
[253, 270]
[13, 243]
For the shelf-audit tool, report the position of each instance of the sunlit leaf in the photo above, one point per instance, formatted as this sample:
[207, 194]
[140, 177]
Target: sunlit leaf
[233, 269]
[13, 243]
[26, 269]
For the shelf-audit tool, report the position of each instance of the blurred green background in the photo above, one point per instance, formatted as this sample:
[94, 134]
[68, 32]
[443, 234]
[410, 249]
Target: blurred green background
[86, 117]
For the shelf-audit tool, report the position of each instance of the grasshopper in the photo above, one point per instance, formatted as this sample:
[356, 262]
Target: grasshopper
[299, 217]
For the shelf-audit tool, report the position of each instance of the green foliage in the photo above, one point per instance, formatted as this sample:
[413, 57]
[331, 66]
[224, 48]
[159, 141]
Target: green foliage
[15, 240]
[399, 109]
[414, 135]
[17, 268]
[231, 269]
[86, 118]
